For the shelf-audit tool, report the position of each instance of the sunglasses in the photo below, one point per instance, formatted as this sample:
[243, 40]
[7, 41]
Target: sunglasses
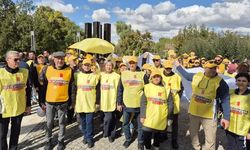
[156, 59]
[217, 59]
[16, 59]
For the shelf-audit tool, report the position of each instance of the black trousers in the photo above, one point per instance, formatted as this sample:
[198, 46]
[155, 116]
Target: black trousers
[14, 132]
[175, 127]
[236, 142]
[147, 136]
[109, 125]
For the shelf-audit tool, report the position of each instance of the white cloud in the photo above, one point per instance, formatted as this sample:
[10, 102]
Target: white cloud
[97, 1]
[101, 15]
[58, 5]
[164, 19]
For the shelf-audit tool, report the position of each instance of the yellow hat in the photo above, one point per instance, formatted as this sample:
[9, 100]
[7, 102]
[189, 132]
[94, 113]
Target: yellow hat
[118, 59]
[146, 66]
[86, 61]
[70, 51]
[203, 58]
[185, 54]
[192, 53]
[210, 64]
[155, 72]
[168, 64]
[226, 60]
[133, 58]
[72, 57]
[41, 55]
[88, 56]
[122, 64]
[157, 57]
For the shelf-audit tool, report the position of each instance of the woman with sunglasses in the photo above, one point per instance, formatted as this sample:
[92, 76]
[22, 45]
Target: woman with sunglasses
[238, 133]
[154, 110]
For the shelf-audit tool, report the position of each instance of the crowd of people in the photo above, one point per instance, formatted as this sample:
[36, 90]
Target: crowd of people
[146, 99]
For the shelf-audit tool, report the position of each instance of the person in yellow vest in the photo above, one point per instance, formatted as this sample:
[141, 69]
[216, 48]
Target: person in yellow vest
[122, 67]
[39, 67]
[185, 60]
[209, 92]
[87, 99]
[172, 82]
[221, 67]
[157, 61]
[57, 94]
[156, 105]
[14, 100]
[154, 110]
[109, 86]
[238, 133]
[34, 82]
[73, 63]
[147, 69]
[203, 61]
[130, 90]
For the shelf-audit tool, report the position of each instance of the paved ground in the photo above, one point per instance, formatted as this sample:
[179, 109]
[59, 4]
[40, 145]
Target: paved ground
[33, 132]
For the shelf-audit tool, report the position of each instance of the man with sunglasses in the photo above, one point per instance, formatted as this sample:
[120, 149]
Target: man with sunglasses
[130, 90]
[57, 89]
[221, 67]
[14, 99]
[157, 62]
[208, 90]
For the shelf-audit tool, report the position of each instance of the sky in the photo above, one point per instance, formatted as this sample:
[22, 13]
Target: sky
[161, 18]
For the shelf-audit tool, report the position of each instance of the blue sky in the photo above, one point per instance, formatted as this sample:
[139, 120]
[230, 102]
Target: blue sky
[162, 18]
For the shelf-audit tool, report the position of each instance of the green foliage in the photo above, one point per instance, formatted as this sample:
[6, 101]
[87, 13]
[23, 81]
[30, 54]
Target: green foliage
[53, 31]
[131, 40]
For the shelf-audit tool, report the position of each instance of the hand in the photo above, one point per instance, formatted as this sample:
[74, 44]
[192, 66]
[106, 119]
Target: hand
[177, 63]
[43, 106]
[248, 136]
[224, 123]
[142, 120]
[28, 110]
[97, 107]
[119, 108]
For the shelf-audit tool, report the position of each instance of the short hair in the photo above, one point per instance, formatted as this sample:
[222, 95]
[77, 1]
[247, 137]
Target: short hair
[246, 75]
[109, 61]
[32, 52]
[9, 53]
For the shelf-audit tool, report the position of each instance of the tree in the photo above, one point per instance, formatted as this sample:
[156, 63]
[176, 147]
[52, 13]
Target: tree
[131, 40]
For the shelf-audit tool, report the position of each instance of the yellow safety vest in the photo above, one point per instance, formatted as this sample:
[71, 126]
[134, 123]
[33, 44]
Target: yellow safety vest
[58, 84]
[29, 62]
[86, 92]
[39, 69]
[240, 114]
[109, 85]
[133, 88]
[221, 68]
[174, 84]
[229, 75]
[157, 108]
[13, 92]
[204, 93]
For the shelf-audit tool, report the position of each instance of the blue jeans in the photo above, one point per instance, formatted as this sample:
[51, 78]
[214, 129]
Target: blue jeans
[87, 122]
[126, 126]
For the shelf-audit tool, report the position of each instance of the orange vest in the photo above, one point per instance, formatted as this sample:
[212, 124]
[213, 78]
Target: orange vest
[58, 84]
